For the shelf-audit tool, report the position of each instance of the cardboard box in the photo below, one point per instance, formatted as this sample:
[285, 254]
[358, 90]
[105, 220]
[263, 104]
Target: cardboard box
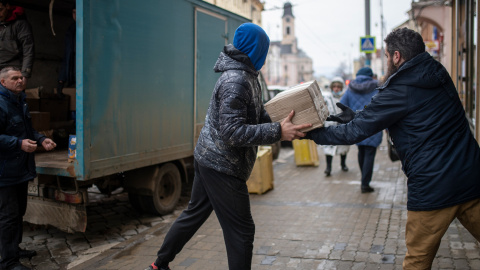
[57, 107]
[306, 153]
[40, 120]
[261, 179]
[33, 104]
[305, 99]
[72, 94]
[33, 93]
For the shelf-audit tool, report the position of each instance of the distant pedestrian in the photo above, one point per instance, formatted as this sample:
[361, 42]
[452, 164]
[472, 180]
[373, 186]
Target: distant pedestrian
[359, 94]
[18, 141]
[332, 98]
[236, 123]
[419, 105]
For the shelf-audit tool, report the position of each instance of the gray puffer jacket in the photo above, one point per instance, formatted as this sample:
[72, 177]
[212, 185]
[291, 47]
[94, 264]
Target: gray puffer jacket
[236, 121]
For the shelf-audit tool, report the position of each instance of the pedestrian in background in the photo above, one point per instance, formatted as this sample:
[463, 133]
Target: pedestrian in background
[419, 105]
[16, 39]
[332, 98]
[236, 123]
[18, 141]
[359, 94]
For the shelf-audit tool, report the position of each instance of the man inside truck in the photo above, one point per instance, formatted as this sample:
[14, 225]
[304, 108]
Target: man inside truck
[236, 123]
[16, 39]
[18, 141]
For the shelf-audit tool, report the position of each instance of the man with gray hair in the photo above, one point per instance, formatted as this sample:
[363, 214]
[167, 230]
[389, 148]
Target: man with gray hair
[18, 141]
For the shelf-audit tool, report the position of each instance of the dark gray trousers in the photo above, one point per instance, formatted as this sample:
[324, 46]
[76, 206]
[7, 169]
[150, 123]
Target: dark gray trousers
[13, 204]
[228, 197]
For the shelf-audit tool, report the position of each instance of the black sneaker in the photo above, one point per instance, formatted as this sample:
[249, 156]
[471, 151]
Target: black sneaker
[367, 189]
[154, 267]
[19, 266]
[23, 253]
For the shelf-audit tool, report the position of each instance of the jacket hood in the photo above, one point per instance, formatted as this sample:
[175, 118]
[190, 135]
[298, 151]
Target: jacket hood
[363, 84]
[233, 59]
[252, 40]
[419, 75]
[14, 12]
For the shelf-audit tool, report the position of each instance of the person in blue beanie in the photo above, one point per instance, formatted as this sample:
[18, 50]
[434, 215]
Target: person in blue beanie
[236, 123]
[359, 94]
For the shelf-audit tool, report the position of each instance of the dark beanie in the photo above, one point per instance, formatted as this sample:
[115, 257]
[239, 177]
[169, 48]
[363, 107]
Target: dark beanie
[366, 71]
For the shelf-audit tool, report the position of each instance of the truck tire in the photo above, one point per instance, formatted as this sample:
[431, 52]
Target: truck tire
[167, 188]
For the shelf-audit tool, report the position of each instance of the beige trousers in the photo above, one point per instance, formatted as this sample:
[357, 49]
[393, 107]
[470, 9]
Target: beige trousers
[425, 230]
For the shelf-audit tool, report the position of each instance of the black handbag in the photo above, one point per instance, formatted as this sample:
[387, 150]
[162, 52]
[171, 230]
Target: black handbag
[392, 152]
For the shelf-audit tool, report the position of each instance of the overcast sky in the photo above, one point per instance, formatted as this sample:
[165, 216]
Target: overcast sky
[329, 31]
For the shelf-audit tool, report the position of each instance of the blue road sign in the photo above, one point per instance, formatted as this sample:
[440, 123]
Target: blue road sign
[367, 44]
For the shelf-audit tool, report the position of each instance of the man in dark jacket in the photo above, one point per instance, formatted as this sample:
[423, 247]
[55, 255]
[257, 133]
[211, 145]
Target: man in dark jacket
[236, 123]
[18, 141]
[420, 106]
[359, 93]
[16, 39]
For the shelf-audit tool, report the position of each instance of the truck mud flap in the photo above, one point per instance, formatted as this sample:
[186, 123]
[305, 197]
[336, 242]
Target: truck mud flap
[66, 217]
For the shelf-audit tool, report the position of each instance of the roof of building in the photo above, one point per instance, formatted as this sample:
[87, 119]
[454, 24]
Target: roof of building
[287, 9]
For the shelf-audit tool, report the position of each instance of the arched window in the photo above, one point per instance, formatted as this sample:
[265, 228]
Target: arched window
[288, 30]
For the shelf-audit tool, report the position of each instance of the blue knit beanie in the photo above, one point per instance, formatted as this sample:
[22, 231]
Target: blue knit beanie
[252, 40]
[366, 71]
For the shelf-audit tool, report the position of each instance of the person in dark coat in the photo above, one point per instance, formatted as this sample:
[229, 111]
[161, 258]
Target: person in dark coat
[66, 75]
[419, 105]
[359, 94]
[18, 141]
[16, 39]
[236, 123]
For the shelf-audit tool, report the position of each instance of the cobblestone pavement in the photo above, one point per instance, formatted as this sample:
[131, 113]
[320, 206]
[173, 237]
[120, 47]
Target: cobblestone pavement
[111, 220]
[308, 221]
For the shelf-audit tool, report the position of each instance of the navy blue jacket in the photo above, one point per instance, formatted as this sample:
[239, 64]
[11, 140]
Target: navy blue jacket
[421, 108]
[236, 122]
[16, 166]
[359, 94]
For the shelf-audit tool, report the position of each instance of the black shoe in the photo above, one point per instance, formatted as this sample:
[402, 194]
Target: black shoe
[19, 266]
[23, 253]
[367, 189]
[327, 172]
[344, 168]
[154, 267]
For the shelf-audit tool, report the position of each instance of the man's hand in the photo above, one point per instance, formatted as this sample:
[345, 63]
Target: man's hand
[344, 117]
[48, 144]
[290, 131]
[28, 145]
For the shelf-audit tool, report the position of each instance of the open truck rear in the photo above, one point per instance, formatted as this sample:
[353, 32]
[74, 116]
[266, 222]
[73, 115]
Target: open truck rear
[144, 78]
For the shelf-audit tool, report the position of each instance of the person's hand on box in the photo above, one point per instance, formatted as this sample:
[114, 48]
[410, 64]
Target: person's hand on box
[48, 144]
[291, 131]
[344, 117]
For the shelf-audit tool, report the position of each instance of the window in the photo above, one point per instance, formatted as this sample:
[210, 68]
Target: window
[288, 30]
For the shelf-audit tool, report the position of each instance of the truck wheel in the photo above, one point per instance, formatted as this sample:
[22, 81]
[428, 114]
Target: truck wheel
[168, 188]
[276, 150]
[165, 185]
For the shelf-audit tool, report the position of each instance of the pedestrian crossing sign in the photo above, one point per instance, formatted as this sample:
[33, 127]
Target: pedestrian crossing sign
[367, 44]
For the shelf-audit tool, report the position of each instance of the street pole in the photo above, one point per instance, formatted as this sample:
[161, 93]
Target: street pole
[367, 29]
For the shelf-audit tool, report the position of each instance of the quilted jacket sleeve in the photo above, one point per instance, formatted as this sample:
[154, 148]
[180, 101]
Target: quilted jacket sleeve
[386, 108]
[235, 129]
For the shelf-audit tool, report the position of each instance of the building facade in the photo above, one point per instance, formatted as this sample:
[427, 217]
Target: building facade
[286, 64]
[250, 9]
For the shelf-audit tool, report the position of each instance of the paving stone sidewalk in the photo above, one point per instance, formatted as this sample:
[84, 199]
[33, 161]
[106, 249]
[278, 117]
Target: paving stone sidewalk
[309, 221]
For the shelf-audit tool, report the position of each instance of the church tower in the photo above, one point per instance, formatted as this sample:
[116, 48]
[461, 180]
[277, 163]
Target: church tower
[288, 22]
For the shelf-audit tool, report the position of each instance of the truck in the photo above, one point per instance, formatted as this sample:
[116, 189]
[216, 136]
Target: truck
[144, 78]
